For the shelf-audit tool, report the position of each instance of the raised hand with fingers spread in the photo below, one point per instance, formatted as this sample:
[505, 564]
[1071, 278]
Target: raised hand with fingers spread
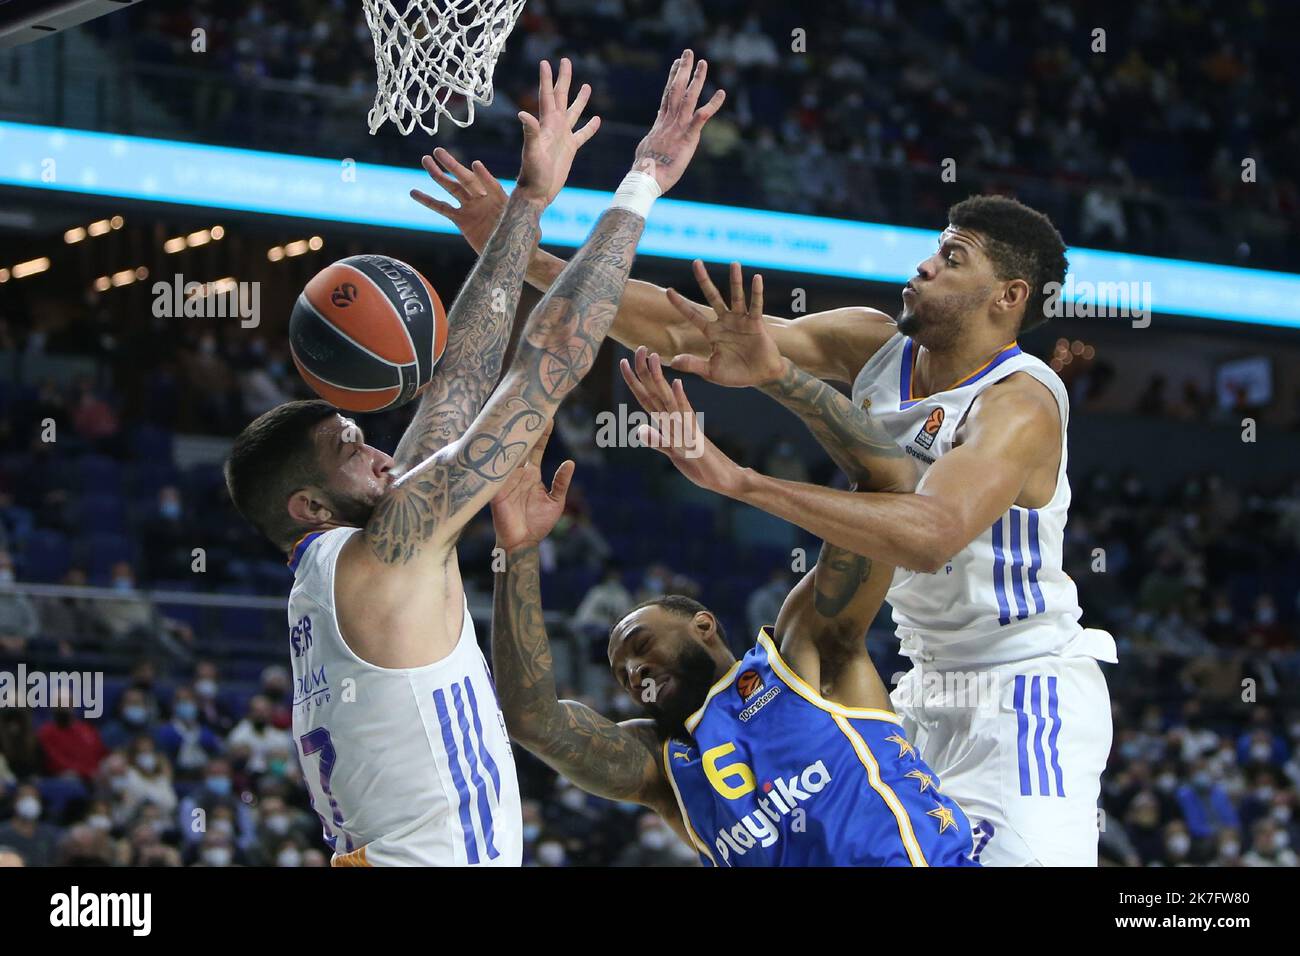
[667, 149]
[523, 511]
[742, 351]
[676, 429]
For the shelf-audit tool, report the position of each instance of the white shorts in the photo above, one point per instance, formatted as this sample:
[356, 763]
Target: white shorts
[1023, 757]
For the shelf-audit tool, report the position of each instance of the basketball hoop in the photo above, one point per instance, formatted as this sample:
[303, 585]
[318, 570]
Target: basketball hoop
[428, 52]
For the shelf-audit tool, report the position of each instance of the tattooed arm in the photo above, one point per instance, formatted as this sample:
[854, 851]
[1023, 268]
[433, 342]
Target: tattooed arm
[822, 627]
[425, 510]
[615, 761]
[479, 328]
[857, 443]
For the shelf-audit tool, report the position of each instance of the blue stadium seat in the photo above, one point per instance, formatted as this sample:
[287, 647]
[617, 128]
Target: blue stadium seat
[57, 792]
[46, 556]
[97, 474]
[100, 551]
[151, 443]
[99, 514]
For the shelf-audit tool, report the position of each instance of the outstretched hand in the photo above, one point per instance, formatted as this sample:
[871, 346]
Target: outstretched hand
[742, 351]
[550, 141]
[675, 429]
[667, 149]
[482, 199]
[523, 511]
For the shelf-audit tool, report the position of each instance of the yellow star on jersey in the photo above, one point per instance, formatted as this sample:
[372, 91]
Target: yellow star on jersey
[944, 816]
[904, 748]
[927, 781]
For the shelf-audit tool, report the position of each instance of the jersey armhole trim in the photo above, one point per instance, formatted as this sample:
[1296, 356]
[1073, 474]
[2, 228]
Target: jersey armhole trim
[700, 845]
[804, 690]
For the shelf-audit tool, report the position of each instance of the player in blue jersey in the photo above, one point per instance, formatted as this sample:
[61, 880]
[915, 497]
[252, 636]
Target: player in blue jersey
[791, 756]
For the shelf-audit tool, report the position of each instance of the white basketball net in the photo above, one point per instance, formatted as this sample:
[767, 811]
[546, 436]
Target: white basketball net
[429, 51]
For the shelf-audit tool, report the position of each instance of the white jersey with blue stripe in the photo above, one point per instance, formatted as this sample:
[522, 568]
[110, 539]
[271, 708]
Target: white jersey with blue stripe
[408, 766]
[1004, 597]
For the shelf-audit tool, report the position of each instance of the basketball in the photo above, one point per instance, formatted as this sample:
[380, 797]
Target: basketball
[367, 332]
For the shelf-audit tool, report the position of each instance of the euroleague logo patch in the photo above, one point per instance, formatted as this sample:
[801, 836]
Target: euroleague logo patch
[925, 437]
[747, 685]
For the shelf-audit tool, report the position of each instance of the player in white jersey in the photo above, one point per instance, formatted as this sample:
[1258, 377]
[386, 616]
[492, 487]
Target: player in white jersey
[397, 725]
[1006, 699]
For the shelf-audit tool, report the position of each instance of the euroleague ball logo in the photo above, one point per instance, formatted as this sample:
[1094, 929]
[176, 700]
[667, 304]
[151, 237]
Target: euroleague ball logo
[925, 437]
[344, 295]
[748, 684]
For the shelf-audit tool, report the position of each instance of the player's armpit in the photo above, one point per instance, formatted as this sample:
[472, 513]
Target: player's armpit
[1007, 451]
[821, 629]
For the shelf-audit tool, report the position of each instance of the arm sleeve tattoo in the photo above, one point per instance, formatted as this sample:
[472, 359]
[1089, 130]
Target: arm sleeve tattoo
[855, 442]
[556, 349]
[611, 760]
[478, 330]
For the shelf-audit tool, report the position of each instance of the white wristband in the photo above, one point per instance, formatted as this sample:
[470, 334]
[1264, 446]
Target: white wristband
[637, 193]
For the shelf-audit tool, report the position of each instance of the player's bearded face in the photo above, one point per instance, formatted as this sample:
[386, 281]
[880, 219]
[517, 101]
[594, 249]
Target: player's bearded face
[938, 314]
[693, 673]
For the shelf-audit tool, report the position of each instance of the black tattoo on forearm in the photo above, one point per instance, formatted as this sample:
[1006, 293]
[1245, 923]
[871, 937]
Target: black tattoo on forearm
[855, 442]
[478, 331]
[591, 750]
[556, 349]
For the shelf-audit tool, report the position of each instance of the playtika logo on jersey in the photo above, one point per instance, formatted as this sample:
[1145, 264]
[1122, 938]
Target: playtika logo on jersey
[782, 798]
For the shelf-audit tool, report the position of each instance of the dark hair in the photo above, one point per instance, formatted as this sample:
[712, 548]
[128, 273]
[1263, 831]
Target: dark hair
[682, 606]
[1021, 243]
[271, 459]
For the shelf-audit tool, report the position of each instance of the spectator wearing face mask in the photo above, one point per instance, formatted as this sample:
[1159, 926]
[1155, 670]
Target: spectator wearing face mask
[550, 853]
[216, 791]
[1270, 845]
[148, 778]
[216, 849]
[1262, 744]
[654, 846]
[213, 710]
[34, 840]
[187, 743]
[1205, 805]
[257, 736]
[288, 854]
[1177, 844]
[278, 822]
[168, 538]
[132, 718]
[9, 857]
[72, 746]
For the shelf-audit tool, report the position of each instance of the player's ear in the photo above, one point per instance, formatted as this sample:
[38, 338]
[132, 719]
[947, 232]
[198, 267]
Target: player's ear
[705, 624]
[1014, 297]
[307, 507]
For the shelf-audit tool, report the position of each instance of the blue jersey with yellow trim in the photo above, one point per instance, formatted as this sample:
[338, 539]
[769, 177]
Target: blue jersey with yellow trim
[776, 775]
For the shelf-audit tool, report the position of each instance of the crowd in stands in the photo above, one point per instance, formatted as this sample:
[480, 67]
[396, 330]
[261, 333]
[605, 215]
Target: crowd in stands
[1133, 139]
[1197, 583]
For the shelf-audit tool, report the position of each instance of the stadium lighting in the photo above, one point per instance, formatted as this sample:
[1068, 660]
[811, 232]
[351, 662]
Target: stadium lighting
[124, 277]
[174, 245]
[103, 284]
[296, 248]
[218, 232]
[275, 253]
[315, 243]
[31, 267]
[76, 234]
[200, 238]
[117, 222]
[4, 275]
[99, 227]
